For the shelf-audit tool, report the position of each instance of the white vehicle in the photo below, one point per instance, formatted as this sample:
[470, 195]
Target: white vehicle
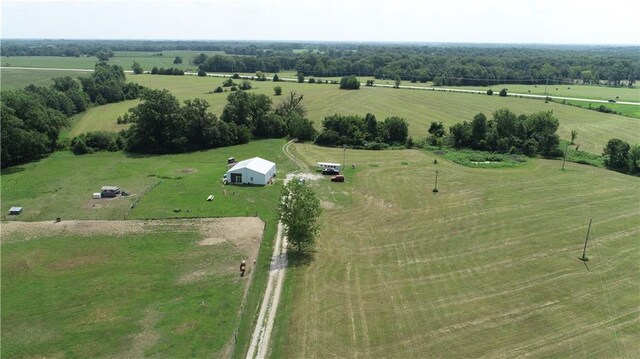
[327, 165]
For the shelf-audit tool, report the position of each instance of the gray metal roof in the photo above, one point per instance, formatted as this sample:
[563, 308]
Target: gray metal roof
[257, 164]
[109, 188]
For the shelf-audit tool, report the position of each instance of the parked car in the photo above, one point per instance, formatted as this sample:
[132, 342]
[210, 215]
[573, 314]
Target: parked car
[330, 171]
[612, 100]
[337, 178]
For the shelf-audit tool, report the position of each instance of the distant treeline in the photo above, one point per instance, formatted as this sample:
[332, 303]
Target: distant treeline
[444, 64]
[32, 118]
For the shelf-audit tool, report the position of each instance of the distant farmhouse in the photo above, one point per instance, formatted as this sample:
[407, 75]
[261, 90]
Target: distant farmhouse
[252, 171]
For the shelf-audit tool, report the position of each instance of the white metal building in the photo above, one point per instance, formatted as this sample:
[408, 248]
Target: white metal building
[252, 171]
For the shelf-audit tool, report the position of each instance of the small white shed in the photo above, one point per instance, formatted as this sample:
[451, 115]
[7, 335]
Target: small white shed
[252, 171]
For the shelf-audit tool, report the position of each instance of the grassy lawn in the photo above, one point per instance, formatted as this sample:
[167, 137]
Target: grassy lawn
[13, 79]
[118, 296]
[61, 186]
[100, 118]
[418, 107]
[487, 267]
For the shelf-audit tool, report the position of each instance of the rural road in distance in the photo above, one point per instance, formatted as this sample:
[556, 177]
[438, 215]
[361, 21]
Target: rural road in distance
[444, 89]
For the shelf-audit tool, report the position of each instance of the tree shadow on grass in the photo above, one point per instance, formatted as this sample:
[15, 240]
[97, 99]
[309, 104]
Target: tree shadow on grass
[12, 170]
[300, 259]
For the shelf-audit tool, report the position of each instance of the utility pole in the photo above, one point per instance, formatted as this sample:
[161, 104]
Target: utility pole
[565, 156]
[435, 188]
[344, 157]
[584, 251]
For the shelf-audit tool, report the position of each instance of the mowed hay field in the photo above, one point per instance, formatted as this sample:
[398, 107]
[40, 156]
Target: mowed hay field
[487, 267]
[13, 79]
[124, 289]
[419, 107]
[121, 58]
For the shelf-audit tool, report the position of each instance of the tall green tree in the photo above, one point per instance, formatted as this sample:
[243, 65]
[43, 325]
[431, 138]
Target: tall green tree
[290, 105]
[616, 155]
[299, 211]
[396, 130]
[157, 127]
[479, 131]
[436, 129]
[397, 81]
[349, 83]
[634, 159]
[177, 60]
[245, 108]
[137, 68]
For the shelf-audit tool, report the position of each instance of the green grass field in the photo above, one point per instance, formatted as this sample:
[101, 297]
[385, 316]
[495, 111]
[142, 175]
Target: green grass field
[627, 110]
[417, 106]
[13, 79]
[487, 267]
[568, 90]
[122, 58]
[61, 186]
[119, 296]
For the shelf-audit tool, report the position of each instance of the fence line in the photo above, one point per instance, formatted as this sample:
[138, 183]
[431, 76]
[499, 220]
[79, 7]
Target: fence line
[140, 195]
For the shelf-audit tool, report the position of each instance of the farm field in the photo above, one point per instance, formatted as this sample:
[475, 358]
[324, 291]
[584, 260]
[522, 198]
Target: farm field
[100, 118]
[124, 288]
[487, 267]
[418, 107]
[13, 79]
[61, 186]
[566, 90]
[122, 58]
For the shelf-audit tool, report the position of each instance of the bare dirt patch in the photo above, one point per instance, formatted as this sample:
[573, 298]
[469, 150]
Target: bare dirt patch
[327, 205]
[188, 170]
[307, 176]
[243, 232]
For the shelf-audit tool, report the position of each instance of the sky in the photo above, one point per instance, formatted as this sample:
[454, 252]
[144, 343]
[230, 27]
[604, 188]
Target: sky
[458, 21]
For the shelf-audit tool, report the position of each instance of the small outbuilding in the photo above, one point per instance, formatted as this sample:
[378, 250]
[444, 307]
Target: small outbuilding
[252, 171]
[109, 191]
[14, 211]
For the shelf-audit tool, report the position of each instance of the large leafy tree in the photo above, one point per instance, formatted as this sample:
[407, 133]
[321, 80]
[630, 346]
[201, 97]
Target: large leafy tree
[396, 129]
[29, 128]
[157, 125]
[299, 212]
[245, 109]
[349, 83]
[616, 154]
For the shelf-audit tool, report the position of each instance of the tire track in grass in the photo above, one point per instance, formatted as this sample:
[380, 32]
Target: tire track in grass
[363, 317]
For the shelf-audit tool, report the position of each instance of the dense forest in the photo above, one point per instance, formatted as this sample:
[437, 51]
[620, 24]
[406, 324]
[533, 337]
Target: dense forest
[444, 64]
[33, 118]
